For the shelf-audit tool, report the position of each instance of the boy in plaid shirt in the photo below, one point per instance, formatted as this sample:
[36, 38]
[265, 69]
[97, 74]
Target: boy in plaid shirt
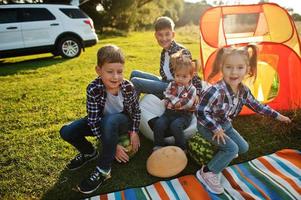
[180, 101]
[113, 109]
[151, 84]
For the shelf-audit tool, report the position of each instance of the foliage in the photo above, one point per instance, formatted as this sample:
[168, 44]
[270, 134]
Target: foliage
[296, 17]
[119, 14]
[192, 12]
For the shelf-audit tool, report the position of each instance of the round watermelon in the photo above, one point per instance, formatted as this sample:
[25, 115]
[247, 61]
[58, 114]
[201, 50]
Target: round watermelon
[199, 149]
[124, 140]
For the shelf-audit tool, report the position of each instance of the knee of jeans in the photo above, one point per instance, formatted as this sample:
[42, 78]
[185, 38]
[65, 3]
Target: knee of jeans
[244, 148]
[176, 126]
[64, 132]
[133, 74]
[233, 149]
[134, 80]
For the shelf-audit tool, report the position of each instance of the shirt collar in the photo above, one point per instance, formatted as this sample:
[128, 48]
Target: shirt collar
[229, 89]
[172, 46]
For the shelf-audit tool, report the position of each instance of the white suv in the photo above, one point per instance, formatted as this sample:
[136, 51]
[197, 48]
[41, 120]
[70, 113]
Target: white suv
[39, 28]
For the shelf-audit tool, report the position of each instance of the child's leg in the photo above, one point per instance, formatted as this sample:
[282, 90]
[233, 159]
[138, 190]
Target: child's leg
[75, 134]
[242, 144]
[177, 127]
[111, 126]
[160, 127]
[226, 152]
[148, 83]
[145, 75]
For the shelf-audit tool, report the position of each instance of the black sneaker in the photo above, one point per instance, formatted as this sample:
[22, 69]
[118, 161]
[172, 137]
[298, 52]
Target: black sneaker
[81, 159]
[91, 183]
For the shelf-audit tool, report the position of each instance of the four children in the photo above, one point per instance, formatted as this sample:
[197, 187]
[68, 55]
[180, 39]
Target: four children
[113, 107]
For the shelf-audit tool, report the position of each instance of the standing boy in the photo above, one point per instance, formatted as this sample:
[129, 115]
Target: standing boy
[113, 109]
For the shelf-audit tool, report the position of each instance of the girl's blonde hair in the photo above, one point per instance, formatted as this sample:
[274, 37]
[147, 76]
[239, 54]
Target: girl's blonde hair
[224, 52]
[180, 60]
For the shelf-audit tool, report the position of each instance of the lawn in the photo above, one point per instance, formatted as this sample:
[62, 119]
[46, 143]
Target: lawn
[41, 93]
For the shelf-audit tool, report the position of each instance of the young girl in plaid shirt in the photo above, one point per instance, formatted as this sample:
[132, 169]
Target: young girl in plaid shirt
[180, 101]
[113, 109]
[222, 102]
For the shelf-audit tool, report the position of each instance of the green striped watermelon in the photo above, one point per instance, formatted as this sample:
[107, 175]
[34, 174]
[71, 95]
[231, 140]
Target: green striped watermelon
[199, 149]
[124, 140]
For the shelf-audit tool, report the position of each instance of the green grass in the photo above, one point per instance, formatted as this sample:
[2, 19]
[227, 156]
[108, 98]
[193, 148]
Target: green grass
[41, 93]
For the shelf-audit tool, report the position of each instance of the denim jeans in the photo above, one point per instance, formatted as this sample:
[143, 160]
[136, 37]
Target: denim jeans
[111, 127]
[235, 144]
[148, 83]
[174, 122]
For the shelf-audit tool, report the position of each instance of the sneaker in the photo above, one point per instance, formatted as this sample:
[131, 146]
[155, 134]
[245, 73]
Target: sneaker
[81, 159]
[91, 183]
[210, 180]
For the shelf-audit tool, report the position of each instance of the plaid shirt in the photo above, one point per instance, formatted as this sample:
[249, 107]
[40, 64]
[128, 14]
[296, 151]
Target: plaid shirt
[219, 104]
[175, 47]
[180, 98]
[96, 99]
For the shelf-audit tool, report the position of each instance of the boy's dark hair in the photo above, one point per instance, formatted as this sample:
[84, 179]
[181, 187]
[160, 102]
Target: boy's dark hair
[164, 22]
[109, 54]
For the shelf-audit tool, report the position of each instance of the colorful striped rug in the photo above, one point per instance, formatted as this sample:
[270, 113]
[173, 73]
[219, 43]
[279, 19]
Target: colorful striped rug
[275, 176]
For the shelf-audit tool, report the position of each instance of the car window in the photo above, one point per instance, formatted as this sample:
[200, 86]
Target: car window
[74, 13]
[36, 14]
[9, 15]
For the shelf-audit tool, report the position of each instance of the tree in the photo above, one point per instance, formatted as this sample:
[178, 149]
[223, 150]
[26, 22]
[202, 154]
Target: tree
[131, 14]
[296, 17]
[192, 12]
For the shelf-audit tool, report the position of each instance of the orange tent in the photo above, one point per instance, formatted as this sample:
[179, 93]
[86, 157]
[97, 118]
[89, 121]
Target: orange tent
[272, 29]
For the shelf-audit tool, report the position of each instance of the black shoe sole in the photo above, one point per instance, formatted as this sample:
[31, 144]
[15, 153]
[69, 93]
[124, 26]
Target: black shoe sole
[73, 169]
[91, 191]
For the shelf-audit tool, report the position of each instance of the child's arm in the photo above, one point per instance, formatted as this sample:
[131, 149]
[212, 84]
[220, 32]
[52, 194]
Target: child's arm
[220, 135]
[209, 99]
[94, 112]
[135, 141]
[284, 119]
[171, 93]
[136, 116]
[256, 106]
[121, 155]
[186, 102]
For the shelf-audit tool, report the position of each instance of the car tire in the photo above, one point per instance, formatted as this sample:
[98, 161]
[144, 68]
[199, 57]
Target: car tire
[69, 47]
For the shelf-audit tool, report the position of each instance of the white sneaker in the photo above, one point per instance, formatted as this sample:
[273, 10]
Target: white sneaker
[210, 180]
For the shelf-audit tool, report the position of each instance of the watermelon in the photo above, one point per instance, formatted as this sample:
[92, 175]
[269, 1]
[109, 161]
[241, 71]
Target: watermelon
[124, 140]
[199, 149]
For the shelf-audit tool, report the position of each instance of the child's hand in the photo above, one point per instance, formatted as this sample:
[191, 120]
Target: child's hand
[135, 141]
[121, 155]
[220, 135]
[178, 105]
[284, 119]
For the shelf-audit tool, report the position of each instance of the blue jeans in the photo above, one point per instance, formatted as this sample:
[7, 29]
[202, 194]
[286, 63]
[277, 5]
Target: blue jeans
[235, 144]
[148, 83]
[111, 127]
[175, 122]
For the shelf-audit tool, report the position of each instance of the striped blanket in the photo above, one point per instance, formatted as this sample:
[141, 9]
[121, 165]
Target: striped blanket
[275, 176]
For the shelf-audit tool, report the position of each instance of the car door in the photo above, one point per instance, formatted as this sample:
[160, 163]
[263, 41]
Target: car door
[39, 27]
[10, 30]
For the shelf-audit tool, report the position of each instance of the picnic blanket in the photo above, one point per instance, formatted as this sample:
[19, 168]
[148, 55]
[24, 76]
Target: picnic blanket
[274, 176]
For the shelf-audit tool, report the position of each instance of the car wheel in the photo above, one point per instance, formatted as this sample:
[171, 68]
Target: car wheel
[69, 47]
